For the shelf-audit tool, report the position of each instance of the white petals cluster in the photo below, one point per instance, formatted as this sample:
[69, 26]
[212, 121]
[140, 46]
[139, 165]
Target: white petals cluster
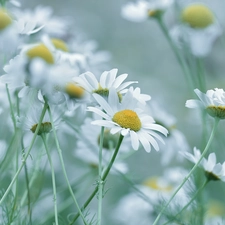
[139, 11]
[146, 134]
[214, 169]
[213, 101]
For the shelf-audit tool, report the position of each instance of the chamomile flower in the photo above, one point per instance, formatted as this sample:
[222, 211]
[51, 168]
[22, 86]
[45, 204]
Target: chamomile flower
[213, 102]
[142, 10]
[213, 170]
[106, 81]
[88, 146]
[43, 16]
[151, 192]
[198, 29]
[29, 122]
[126, 119]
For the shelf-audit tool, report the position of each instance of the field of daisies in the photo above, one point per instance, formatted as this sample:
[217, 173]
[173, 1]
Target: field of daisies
[112, 112]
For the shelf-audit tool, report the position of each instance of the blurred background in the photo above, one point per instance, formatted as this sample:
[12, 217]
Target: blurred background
[141, 50]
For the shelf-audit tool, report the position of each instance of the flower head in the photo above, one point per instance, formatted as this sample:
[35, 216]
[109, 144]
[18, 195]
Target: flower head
[142, 10]
[126, 119]
[198, 30]
[213, 101]
[213, 170]
[106, 81]
[197, 15]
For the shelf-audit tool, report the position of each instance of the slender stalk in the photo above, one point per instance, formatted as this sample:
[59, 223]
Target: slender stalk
[216, 121]
[63, 167]
[11, 107]
[105, 174]
[100, 183]
[53, 178]
[176, 53]
[189, 203]
[26, 156]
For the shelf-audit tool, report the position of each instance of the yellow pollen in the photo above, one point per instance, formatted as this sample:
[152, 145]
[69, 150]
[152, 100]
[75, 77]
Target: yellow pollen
[198, 16]
[154, 184]
[41, 51]
[59, 44]
[74, 91]
[5, 19]
[216, 111]
[127, 119]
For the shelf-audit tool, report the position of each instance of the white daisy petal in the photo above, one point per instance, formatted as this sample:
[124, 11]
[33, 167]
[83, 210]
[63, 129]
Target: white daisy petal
[99, 112]
[134, 140]
[101, 101]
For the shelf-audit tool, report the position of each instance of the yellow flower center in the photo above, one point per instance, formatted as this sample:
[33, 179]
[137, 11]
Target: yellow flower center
[153, 183]
[59, 44]
[198, 16]
[41, 51]
[127, 119]
[216, 111]
[5, 19]
[104, 92]
[74, 91]
[215, 208]
[45, 127]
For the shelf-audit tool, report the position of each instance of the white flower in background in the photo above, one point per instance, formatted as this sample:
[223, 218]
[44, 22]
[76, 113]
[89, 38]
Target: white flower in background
[76, 96]
[142, 10]
[151, 192]
[213, 102]
[198, 31]
[125, 118]
[213, 170]
[107, 80]
[87, 147]
[175, 140]
[29, 120]
[43, 16]
[15, 73]
[51, 80]
[9, 38]
[215, 212]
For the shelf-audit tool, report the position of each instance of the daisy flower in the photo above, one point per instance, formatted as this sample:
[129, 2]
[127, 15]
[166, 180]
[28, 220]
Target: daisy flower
[106, 81]
[142, 10]
[213, 170]
[43, 16]
[126, 119]
[88, 146]
[29, 122]
[213, 101]
[151, 192]
[198, 31]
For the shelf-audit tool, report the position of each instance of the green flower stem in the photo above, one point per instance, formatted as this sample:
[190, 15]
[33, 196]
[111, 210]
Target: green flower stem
[100, 183]
[53, 178]
[189, 203]
[104, 176]
[176, 53]
[200, 74]
[11, 107]
[26, 156]
[63, 167]
[216, 121]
